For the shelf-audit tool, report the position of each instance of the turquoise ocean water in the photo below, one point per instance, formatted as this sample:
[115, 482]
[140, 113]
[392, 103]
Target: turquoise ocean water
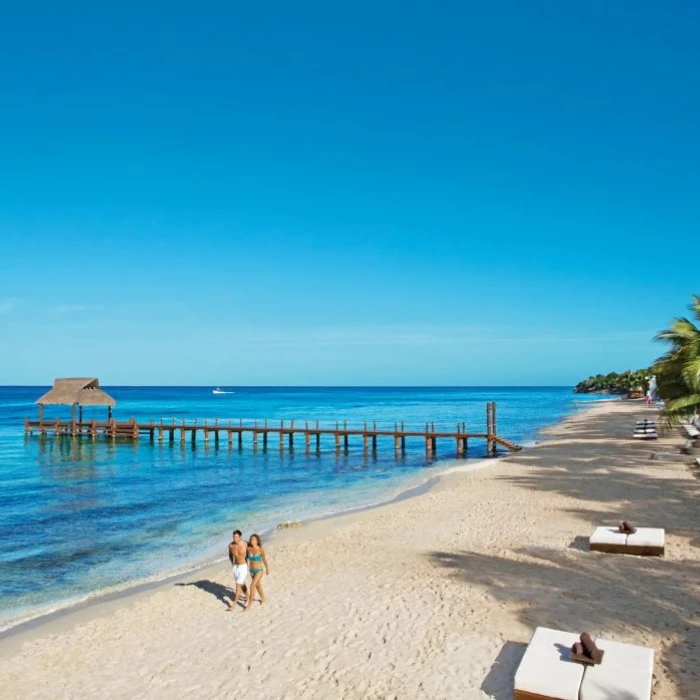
[79, 517]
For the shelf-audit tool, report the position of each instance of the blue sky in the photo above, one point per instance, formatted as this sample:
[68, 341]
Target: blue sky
[345, 193]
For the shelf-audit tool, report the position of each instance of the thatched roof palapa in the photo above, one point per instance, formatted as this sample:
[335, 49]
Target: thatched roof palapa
[82, 391]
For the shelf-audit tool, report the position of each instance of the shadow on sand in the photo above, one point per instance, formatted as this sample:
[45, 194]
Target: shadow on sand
[573, 589]
[220, 592]
[498, 684]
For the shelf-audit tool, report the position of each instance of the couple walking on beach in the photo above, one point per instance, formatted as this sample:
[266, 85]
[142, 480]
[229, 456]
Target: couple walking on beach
[242, 554]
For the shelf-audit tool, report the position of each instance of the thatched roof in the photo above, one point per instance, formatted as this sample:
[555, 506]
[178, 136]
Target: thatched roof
[83, 391]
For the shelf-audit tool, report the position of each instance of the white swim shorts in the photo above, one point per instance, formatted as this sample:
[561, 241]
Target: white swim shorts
[240, 571]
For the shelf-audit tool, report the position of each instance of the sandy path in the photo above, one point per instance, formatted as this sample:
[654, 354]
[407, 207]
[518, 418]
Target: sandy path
[431, 597]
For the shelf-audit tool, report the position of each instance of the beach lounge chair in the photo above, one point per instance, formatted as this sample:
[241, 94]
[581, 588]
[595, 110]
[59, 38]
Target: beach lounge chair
[690, 430]
[645, 541]
[647, 435]
[645, 430]
[543, 671]
[546, 671]
[626, 672]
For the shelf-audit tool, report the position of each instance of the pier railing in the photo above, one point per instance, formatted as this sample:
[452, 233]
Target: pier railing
[260, 431]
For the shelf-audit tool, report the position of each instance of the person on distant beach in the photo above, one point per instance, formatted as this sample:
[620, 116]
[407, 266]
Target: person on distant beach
[237, 556]
[256, 557]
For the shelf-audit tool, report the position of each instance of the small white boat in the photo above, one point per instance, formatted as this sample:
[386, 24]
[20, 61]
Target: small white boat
[218, 390]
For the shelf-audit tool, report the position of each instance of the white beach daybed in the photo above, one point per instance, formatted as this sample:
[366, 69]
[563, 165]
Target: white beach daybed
[645, 431]
[645, 541]
[546, 671]
[625, 672]
[690, 430]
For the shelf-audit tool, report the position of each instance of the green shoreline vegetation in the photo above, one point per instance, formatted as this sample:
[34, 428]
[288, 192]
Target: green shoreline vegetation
[628, 383]
[677, 372]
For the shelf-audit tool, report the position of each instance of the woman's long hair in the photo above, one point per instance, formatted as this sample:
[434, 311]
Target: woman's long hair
[257, 537]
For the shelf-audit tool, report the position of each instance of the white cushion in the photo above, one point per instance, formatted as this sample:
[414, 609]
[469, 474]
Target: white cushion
[608, 535]
[625, 672]
[543, 671]
[646, 537]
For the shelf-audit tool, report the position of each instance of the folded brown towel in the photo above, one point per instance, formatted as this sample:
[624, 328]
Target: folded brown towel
[626, 527]
[590, 649]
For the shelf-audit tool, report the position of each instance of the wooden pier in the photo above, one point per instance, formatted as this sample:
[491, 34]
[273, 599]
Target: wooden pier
[259, 432]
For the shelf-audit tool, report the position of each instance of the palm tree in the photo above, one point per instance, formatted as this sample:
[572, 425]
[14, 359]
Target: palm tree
[678, 371]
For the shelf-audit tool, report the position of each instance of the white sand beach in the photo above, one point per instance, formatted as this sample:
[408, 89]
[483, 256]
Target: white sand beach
[433, 596]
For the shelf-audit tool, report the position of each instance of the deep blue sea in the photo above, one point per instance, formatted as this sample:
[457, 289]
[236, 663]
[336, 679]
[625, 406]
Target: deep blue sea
[79, 517]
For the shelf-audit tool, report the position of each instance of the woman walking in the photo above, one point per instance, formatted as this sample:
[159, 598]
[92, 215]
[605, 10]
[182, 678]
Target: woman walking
[256, 560]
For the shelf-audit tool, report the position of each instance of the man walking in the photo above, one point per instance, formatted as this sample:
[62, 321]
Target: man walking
[237, 556]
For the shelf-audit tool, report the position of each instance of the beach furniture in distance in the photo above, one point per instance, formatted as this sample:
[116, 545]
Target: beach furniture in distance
[691, 429]
[645, 430]
[644, 541]
[547, 671]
